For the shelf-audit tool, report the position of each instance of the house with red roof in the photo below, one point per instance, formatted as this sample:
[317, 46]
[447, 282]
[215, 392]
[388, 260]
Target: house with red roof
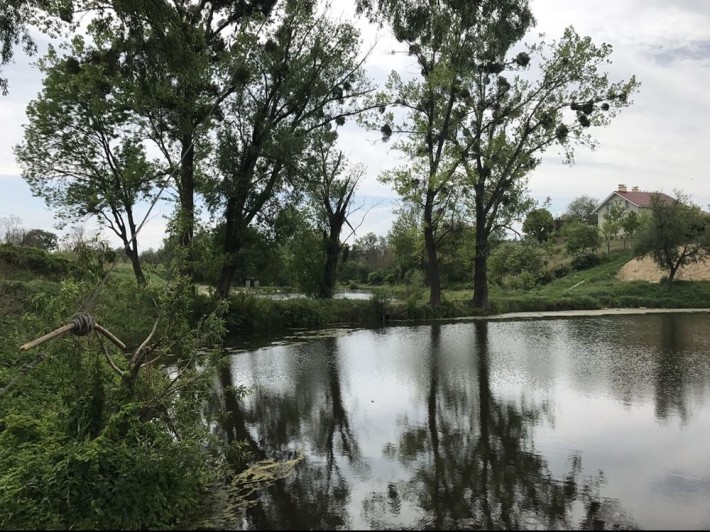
[629, 200]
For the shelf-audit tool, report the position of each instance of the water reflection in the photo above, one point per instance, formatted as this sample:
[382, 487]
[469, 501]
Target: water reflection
[312, 413]
[550, 424]
[476, 466]
[670, 379]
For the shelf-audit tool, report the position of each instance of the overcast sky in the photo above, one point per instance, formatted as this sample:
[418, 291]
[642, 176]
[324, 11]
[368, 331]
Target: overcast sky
[660, 143]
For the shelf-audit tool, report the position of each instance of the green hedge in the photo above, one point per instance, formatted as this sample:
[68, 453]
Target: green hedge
[19, 260]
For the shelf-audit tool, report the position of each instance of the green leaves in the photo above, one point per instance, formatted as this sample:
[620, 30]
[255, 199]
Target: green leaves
[83, 150]
[676, 233]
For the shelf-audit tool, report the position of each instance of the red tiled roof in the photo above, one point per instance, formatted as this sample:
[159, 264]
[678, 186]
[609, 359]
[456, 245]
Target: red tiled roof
[643, 199]
[638, 198]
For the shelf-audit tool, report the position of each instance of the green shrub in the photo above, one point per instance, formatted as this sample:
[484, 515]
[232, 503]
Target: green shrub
[134, 475]
[516, 265]
[522, 281]
[561, 271]
[84, 447]
[375, 278]
[585, 261]
[16, 260]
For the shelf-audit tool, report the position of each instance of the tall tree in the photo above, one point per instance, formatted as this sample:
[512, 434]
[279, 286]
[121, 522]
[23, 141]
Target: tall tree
[178, 57]
[439, 36]
[82, 152]
[331, 183]
[463, 116]
[513, 122]
[676, 233]
[304, 73]
[581, 209]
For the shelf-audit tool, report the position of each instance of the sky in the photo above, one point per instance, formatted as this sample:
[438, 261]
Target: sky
[659, 143]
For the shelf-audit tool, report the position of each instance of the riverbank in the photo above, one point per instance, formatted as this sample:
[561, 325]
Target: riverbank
[586, 313]
[247, 312]
[598, 289]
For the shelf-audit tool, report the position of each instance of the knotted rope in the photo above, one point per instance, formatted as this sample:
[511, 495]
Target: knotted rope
[83, 324]
[80, 325]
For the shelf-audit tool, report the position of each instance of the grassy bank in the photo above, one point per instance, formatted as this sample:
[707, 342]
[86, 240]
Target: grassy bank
[591, 289]
[599, 288]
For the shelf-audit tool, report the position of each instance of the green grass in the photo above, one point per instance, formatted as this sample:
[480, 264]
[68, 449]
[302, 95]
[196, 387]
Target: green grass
[598, 288]
[590, 289]
[593, 288]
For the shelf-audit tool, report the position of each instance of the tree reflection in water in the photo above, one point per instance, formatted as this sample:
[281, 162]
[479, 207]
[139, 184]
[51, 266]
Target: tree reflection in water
[475, 466]
[316, 494]
[670, 372]
[471, 464]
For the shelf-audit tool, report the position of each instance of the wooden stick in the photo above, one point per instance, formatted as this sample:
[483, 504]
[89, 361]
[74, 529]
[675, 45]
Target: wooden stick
[34, 343]
[109, 335]
[575, 286]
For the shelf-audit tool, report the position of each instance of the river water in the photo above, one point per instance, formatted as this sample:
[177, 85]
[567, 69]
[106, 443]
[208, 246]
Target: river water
[575, 422]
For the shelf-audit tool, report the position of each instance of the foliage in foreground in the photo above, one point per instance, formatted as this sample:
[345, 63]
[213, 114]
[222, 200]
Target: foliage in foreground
[87, 445]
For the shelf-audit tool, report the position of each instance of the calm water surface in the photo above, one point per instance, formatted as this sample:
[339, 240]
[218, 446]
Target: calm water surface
[560, 423]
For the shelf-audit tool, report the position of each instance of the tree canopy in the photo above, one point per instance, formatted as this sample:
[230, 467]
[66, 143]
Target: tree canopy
[539, 224]
[676, 233]
[581, 209]
[485, 108]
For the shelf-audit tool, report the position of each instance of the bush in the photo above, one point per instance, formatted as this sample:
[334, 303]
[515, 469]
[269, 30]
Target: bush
[561, 271]
[376, 278]
[132, 476]
[34, 260]
[378, 303]
[517, 265]
[586, 261]
[84, 447]
[523, 281]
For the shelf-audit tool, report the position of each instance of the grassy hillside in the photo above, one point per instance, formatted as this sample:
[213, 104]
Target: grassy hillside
[598, 287]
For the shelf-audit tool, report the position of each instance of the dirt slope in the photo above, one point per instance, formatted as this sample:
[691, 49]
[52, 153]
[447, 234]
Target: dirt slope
[646, 270]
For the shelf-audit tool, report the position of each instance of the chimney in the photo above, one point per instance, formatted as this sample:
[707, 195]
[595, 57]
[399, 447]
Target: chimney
[622, 187]
[634, 189]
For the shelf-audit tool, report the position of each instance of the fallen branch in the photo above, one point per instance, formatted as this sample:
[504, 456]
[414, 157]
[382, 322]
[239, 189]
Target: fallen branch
[575, 286]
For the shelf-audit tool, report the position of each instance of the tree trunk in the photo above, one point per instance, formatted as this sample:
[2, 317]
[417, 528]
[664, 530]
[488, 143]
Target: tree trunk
[187, 194]
[480, 265]
[135, 262]
[231, 244]
[130, 246]
[430, 243]
[332, 255]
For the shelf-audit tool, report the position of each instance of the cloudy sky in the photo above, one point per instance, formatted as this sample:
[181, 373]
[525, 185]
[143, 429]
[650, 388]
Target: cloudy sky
[660, 143]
